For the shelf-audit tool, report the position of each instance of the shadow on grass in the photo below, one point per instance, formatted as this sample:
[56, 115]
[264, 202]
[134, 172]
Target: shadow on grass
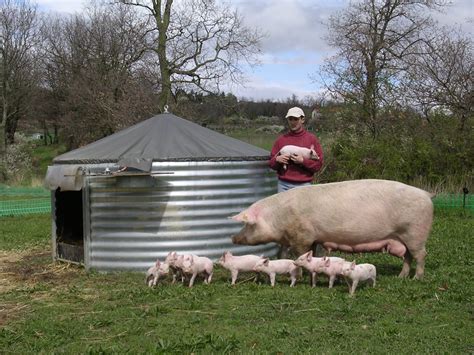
[389, 269]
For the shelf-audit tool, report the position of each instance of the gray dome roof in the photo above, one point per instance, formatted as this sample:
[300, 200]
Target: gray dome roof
[164, 137]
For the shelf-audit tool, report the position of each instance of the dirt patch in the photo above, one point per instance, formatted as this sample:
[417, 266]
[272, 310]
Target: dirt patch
[33, 266]
[20, 269]
[8, 311]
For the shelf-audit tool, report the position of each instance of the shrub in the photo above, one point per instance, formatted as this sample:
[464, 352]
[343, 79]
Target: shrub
[19, 163]
[406, 151]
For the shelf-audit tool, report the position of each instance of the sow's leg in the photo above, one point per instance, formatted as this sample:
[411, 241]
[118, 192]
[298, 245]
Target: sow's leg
[415, 239]
[406, 265]
[420, 264]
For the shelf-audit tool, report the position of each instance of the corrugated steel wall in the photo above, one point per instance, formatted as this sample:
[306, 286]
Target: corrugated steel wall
[134, 220]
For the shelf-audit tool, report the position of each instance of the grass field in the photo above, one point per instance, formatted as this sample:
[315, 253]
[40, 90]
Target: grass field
[51, 307]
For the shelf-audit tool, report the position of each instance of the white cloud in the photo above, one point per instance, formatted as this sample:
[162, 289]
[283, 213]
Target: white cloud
[459, 13]
[258, 88]
[289, 24]
[65, 6]
[294, 46]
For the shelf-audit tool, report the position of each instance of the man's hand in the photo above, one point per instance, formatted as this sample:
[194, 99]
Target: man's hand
[283, 158]
[297, 158]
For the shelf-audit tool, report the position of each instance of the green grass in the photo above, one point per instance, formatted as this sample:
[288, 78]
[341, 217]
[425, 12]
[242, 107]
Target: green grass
[23, 232]
[53, 308]
[44, 155]
[262, 140]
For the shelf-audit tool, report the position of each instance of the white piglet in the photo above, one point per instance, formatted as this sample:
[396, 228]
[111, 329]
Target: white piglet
[332, 266]
[281, 266]
[198, 265]
[356, 273]
[175, 262]
[307, 153]
[154, 273]
[312, 264]
[236, 264]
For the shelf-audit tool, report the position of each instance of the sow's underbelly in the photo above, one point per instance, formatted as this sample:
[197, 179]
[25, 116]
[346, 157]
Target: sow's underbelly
[392, 246]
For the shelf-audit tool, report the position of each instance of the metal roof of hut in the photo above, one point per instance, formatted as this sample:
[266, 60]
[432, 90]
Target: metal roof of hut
[164, 137]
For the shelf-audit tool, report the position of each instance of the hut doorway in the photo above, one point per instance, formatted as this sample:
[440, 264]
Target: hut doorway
[69, 225]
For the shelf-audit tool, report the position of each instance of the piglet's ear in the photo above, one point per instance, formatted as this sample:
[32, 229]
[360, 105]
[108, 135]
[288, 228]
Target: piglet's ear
[353, 265]
[266, 261]
[157, 263]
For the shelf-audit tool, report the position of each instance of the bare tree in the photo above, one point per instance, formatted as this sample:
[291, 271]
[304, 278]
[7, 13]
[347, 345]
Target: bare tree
[92, 68]
[444, 75]
[373, 37]
[18, 40]
[199, 44]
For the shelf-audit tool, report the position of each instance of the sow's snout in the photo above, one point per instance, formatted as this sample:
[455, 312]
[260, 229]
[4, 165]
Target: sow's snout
[239, 239]
[243, 237]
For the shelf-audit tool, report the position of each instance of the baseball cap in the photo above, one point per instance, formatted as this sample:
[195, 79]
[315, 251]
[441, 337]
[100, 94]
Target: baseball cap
[295, 112]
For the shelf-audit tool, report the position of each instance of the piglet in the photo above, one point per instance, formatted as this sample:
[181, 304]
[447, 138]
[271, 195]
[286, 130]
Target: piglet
[307, 153]
[175, 262]
[356, 273]
[155, 272]
[310, 263]
[281, 266]
[194, 265]
[236, 264]
[332, 267]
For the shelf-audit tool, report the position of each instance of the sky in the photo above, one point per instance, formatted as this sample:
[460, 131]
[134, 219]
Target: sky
[293, 48]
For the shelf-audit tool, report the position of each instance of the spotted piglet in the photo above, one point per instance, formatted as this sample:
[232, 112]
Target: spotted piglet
[356, 273]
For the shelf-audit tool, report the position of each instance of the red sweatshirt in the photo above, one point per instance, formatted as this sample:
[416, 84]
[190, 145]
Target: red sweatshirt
[297, 172]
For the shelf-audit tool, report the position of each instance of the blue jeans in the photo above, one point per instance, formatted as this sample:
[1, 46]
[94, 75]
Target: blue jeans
[285, 185]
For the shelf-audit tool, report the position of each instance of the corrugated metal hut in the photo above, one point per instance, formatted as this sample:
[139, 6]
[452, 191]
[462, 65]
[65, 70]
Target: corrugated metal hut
[161, 185]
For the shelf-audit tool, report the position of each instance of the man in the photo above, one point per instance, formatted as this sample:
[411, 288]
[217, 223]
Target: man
[295, 169]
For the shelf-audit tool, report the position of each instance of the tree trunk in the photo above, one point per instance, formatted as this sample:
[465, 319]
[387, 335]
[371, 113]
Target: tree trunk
[56, 136]
[3, 121]
[369, 104]
[162, 22]
[165, 94]
[10, 129]
[3, 141]
[45, 132]
[3, 149]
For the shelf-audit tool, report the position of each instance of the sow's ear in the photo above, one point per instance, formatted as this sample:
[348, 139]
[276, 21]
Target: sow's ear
[246, 217]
